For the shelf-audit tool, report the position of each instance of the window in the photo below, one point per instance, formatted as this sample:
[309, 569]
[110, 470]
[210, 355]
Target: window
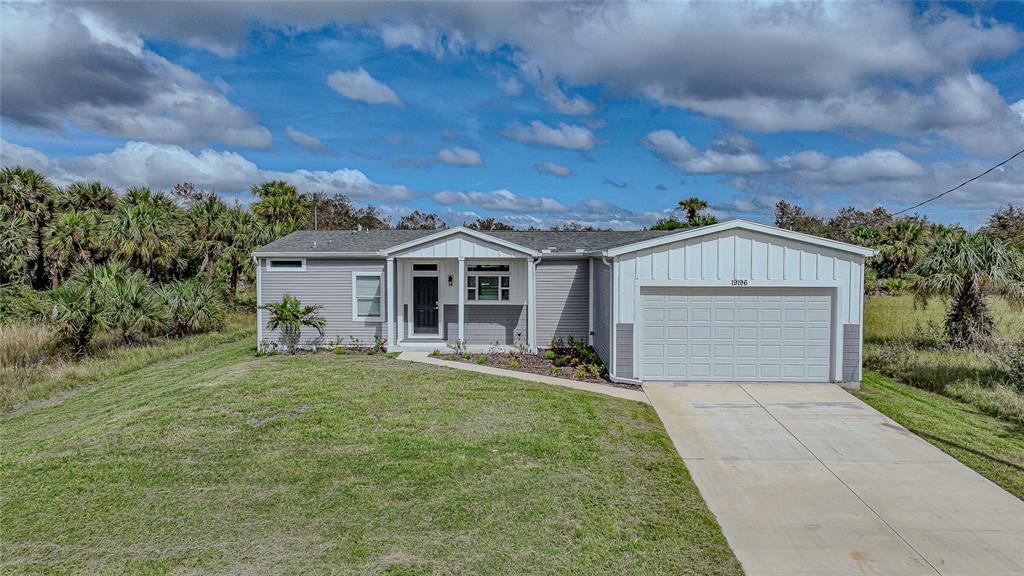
[424, 267]
[488, 282]
[296, 264]
[366, 295]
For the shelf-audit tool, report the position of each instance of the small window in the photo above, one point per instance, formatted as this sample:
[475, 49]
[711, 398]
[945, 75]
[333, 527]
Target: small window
[488, 283]
[424, 267]
[366, 295]
[289, 264]
[487, 268]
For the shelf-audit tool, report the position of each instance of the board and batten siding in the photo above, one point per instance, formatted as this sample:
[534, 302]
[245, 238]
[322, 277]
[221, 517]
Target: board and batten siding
[328, 283]
[602, 310]
[762, 259]
[563, 300]
[459, 246]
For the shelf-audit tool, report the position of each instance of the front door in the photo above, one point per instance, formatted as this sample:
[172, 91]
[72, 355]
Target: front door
[424, 305]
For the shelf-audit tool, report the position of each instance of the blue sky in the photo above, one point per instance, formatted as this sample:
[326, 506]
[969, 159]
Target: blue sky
[535, 114]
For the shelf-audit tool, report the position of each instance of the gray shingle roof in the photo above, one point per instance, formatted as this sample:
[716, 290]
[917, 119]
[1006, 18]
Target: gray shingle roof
[365, 242]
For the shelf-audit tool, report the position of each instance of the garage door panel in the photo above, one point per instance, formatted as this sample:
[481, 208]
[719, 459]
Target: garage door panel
[736, 334]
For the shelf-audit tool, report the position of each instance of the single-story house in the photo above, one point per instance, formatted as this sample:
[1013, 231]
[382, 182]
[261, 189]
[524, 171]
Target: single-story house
[732, 301]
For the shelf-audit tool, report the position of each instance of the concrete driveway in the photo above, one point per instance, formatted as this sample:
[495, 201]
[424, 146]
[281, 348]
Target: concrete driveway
[807, 479]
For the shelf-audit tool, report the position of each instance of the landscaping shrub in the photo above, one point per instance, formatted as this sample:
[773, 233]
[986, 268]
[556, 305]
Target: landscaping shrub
[192, 307]
[290, 315]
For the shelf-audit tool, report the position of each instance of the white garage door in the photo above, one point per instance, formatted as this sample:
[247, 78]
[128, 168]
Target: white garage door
[711, 334]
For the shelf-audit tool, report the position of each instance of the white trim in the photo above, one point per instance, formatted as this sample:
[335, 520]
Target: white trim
[498, 274]
[272, 269]
[531, 305]
[392, 339]
[590, 303]
[742, 225]
[459, 230]
[355, 296]
[614, 318]
[792, 283]
[410, 331]
[835, 339]
[259, 302]
[462, 299]
[313, 254]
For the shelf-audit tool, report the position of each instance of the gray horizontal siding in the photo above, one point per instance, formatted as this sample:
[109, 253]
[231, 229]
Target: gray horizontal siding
[602, 309]
[328, 283]
[624, 350]
[563, 300]
[487, 324]
[851, 352]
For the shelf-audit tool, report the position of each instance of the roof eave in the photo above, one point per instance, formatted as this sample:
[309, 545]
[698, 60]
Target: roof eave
[457, 230]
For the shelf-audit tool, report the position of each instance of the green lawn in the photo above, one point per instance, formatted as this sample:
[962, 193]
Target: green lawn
[352, 464]
[993, 447]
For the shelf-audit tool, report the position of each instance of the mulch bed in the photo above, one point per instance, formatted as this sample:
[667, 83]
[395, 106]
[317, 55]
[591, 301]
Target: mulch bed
[534, 364]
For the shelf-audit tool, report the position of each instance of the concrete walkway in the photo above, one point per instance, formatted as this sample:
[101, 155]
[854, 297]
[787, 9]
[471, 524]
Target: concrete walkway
[606, 389]
[807, 479]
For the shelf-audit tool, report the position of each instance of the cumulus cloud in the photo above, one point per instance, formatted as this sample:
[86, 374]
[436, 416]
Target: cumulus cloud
[553, 169]
[163, 165]
[565, 135]
[736, 155]
[62, 66]
[457, 156]
[500, 200]
[307, 141]
[359, 85]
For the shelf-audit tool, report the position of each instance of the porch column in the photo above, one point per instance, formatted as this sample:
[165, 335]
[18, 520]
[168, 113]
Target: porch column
[531, 305]
[462, 299]
[391, 302]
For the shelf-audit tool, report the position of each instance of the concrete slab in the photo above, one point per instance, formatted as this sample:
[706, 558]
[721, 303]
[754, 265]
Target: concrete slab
[807, 479]
[606, 389]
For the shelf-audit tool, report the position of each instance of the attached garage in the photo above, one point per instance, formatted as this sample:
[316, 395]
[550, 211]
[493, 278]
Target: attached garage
[738, 301]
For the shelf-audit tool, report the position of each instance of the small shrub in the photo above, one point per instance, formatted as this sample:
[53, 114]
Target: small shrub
[194, 307]
[436, 353]
[561, 361]
[1011, 362]
[289, 316]
[553, 369]
[339, 350]
[550, 355]
[581, 372]
[24, 345]
[459, 347]
[466, 355]
[513, 364]
[481, 359]
[245, 301]
[380, 343]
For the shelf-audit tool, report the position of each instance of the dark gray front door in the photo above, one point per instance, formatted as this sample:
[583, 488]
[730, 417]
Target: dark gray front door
[424, 304]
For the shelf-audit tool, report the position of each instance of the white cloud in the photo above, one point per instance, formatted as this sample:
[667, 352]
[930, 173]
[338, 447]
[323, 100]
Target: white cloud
[565, 135]
[553, 169]
[359, 85]
[307, 141]
[162, 166]
[499, 200]
[510, 86]
[732, 156]
[67, 66]
[457, 156]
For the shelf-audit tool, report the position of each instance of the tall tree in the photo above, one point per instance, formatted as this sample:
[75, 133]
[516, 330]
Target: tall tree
[795, 218]
[417, 220]
[71, 241]
[207, 219]
[900, 247]
[280, 205]
[489, 223]
[692, 207]
[30, 194]
[17, 247]
[966, 268]
[244, 233]
[339, 213]
[87, 196]
[1008, 223]
[146, 232]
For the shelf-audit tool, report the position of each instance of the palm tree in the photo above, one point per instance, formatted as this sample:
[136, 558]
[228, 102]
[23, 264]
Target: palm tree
[192, 306]
[135, 311]
[30, 194]
[209, 230]
[145, 231]
[17, 247]
[702, 220]
[70, 241]
[900, 246]
[87, 196]
[692, 207]
[243, 233]
[280, 203]
[966, 268]
[289, 315]
[78, 309]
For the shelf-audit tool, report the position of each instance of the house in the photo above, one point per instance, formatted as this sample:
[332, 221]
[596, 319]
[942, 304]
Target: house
[733, 301]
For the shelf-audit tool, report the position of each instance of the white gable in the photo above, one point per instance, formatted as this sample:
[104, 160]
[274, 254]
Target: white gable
[459, 245]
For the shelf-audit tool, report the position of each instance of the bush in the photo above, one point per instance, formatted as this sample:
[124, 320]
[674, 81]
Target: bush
[481, 359]
[289, 316]
[18, 303]
[192, 307]
[24, 345]
[1011, 362]
[134, 307]
[77, 310]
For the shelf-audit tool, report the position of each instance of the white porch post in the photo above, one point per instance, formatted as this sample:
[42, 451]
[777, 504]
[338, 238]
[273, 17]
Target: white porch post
[391, 303]
[531, 308]
[462, 299]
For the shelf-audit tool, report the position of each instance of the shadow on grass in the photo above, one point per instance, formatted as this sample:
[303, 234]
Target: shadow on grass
[946, 442]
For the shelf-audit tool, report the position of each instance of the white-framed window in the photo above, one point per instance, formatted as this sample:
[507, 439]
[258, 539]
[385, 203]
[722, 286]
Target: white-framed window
[286, 264]
[488, 283]
[366, 295]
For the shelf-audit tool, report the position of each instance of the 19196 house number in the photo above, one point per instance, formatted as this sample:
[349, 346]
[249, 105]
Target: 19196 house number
[739, 282]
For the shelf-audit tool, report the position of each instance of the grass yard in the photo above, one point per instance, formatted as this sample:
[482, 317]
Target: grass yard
[906, 343]
[993, 447]
[349, 464]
